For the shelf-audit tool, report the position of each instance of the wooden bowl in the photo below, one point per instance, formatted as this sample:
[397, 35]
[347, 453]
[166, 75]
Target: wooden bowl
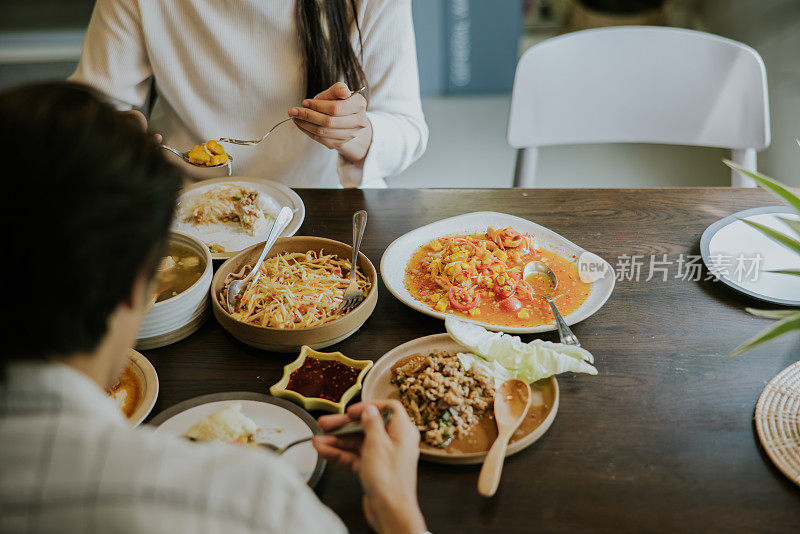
[292, 339]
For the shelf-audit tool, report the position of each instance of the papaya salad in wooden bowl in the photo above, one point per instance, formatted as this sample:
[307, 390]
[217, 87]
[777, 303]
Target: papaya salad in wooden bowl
[296, 297]
[479, 276]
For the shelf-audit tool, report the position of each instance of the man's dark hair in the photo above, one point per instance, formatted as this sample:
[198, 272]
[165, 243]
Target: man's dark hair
[88, 197]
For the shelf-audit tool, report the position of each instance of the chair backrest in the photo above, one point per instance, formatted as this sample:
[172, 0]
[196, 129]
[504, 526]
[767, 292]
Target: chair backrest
[640, 84]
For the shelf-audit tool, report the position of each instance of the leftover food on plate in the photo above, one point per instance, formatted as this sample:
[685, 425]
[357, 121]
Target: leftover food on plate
[228, 204]
[443, 398]
[295, 290]
[323, 379]
[478, 276]
[127, 391]
[209, 154]
[178, 271]
[227, 424]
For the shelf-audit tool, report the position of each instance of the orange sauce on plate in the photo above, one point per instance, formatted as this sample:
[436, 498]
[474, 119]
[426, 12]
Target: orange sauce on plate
[478, 276]
[127, 391]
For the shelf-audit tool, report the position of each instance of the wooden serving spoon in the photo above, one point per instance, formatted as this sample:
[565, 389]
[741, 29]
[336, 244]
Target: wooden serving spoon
[511, 402]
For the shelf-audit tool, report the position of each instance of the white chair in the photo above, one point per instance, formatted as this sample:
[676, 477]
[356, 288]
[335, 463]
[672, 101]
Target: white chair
[639, 84]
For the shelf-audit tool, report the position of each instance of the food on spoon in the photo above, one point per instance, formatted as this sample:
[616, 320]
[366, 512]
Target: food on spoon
[295, 290]
[443, 399]
[228, 424]
[504, 357]
[478, 276]
[209, 154]
[228, 203]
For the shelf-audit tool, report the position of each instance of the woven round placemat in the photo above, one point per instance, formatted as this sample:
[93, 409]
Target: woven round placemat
[778, 421]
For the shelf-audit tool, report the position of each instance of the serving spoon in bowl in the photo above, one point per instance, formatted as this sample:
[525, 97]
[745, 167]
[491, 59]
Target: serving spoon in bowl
[538, 268]
[252, 142]
[233, 295]
[511, 402]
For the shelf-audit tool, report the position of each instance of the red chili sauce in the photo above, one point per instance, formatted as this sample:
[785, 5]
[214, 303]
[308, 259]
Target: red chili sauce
[322, 379]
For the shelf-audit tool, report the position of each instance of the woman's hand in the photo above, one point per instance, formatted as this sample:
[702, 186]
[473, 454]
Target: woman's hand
[337, 119]
[139, 118]
[385, 460]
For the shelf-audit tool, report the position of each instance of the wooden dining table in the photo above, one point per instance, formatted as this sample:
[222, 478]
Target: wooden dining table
[660, 440]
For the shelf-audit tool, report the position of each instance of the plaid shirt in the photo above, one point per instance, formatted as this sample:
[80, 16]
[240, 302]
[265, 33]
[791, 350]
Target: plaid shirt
[69, 463]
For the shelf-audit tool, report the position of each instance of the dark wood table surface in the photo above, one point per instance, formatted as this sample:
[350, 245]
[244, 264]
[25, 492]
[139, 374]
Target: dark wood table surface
[661, 440]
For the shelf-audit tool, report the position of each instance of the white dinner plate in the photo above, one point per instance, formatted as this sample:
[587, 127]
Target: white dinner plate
[149, 380]
[230, 235]
[544, 403]
[279, 422]
[399, 253]
[741, 256]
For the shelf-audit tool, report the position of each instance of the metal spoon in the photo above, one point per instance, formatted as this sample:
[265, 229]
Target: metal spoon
[511, 402]
[185, 157]
[256, 141]
[346, 429]
[233, 295]
[538, 267]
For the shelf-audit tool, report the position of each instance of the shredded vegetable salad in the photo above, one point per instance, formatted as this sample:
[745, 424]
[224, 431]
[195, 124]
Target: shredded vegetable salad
[295, 290]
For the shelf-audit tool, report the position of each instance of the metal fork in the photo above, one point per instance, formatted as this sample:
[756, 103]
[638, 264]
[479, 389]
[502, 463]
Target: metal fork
[256, 141]
[353, 427]
[353, 295]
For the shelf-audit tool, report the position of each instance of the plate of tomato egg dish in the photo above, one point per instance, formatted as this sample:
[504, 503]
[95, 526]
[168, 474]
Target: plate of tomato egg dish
[471, 267]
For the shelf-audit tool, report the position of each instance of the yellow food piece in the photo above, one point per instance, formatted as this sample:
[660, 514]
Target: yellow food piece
[523, 314]
[474, 312]
[215, 148]
[199, 156]
[209, 154]
[218, 159]
[441, 306]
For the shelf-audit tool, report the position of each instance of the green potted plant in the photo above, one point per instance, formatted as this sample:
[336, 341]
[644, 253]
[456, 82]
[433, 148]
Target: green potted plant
[787, 320]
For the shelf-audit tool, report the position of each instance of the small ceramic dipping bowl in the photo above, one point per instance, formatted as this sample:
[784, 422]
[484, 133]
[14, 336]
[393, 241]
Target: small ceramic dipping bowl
[177, 317]
[313, 374]
[292, 339]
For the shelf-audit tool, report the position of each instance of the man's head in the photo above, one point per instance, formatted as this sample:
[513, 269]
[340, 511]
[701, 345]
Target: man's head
[88, 202]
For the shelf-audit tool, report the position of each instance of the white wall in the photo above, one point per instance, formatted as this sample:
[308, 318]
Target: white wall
[772, 27]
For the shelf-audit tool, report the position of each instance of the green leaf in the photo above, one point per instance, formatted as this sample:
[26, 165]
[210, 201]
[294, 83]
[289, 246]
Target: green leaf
[794, 225]
[771, 314]
[784, 326]
[775, 235]
[770, 185]
[794, 272]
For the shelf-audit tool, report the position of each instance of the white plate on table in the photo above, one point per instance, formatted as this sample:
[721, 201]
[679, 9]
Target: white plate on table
[544, 404]
[230, 235]
[731, 251]
[279, 422]
[399, 253]
[148, 382]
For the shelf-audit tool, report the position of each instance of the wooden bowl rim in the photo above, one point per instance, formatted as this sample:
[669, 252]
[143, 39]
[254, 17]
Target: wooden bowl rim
[373, 292]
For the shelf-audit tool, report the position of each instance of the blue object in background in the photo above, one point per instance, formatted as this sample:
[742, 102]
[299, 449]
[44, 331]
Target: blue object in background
[467, 46]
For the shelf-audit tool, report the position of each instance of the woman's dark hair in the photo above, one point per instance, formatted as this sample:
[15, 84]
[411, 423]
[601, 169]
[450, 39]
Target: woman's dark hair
[87, 210]
[324, 28]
